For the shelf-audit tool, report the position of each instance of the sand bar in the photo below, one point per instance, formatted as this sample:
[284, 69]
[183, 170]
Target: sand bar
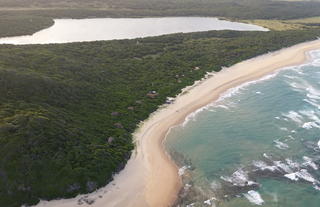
[150, 178]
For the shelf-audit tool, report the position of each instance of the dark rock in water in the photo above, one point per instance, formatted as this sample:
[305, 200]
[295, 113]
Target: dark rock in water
[73, 187]
[91, 186]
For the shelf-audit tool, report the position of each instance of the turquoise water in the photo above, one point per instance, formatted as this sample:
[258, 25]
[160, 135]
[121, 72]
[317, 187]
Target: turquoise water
[259, 144]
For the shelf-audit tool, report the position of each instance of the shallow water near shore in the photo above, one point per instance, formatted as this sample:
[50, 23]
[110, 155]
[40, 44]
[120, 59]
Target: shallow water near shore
[79, 30]
[258, 145]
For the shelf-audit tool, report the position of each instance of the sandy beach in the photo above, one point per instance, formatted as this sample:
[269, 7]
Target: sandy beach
[150, 177]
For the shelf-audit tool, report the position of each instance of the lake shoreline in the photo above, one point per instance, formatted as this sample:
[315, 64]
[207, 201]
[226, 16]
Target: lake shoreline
[151, 177]
[106, 29]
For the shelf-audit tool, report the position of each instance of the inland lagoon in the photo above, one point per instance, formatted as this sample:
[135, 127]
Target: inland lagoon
[80, 30]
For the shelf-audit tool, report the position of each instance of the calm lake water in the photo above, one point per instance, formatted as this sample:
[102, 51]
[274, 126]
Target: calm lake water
[258, 145]
[78, 30]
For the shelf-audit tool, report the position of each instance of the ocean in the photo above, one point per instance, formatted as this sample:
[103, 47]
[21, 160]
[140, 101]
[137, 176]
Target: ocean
[259, 144]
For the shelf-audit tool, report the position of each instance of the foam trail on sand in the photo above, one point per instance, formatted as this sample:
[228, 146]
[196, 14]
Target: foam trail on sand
[229, 93]
[236, 90]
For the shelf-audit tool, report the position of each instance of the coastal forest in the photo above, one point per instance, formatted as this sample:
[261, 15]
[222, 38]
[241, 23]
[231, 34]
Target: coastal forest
[68, 111]
[23, 17]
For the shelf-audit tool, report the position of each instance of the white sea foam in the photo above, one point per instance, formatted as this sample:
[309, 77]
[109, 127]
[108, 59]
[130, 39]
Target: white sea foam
[263, 166]
[238, 178]
[294, 116]
[266, 156]
[312, 102]
[316, 63]
[233, 91]
[302, 174]
[192, 116]
[292, 164]
[215, 185]
[187, 187]
[305, 175]
[309, 162]
[282, 166]
[298, 68]
[310, 114]
[229, 93]
[283, 129]
[312, 92]
[319, 144]
[292, 176]
[280, 144]
[221, 106]
[316, 187]
[290, 77]
[236, 90]
[310, 125]
[254, 197]
[210, 202]
[304, 86]
[290, 136]
[183, 170]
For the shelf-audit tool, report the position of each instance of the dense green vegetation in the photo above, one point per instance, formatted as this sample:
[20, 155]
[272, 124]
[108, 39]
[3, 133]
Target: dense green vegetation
[67, 111]
[18, 12]
[231, 8]
[61, 104]
[22, 24]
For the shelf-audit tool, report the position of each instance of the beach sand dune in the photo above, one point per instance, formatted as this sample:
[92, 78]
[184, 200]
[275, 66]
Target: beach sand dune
[150, 178]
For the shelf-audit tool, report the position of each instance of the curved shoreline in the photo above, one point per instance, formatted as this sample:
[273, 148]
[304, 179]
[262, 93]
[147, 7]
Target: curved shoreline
[150, 177]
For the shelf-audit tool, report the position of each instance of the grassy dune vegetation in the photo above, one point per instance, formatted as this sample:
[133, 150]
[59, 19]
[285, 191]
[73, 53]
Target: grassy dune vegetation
[27, 16]
[67, 111]
[292, 24]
